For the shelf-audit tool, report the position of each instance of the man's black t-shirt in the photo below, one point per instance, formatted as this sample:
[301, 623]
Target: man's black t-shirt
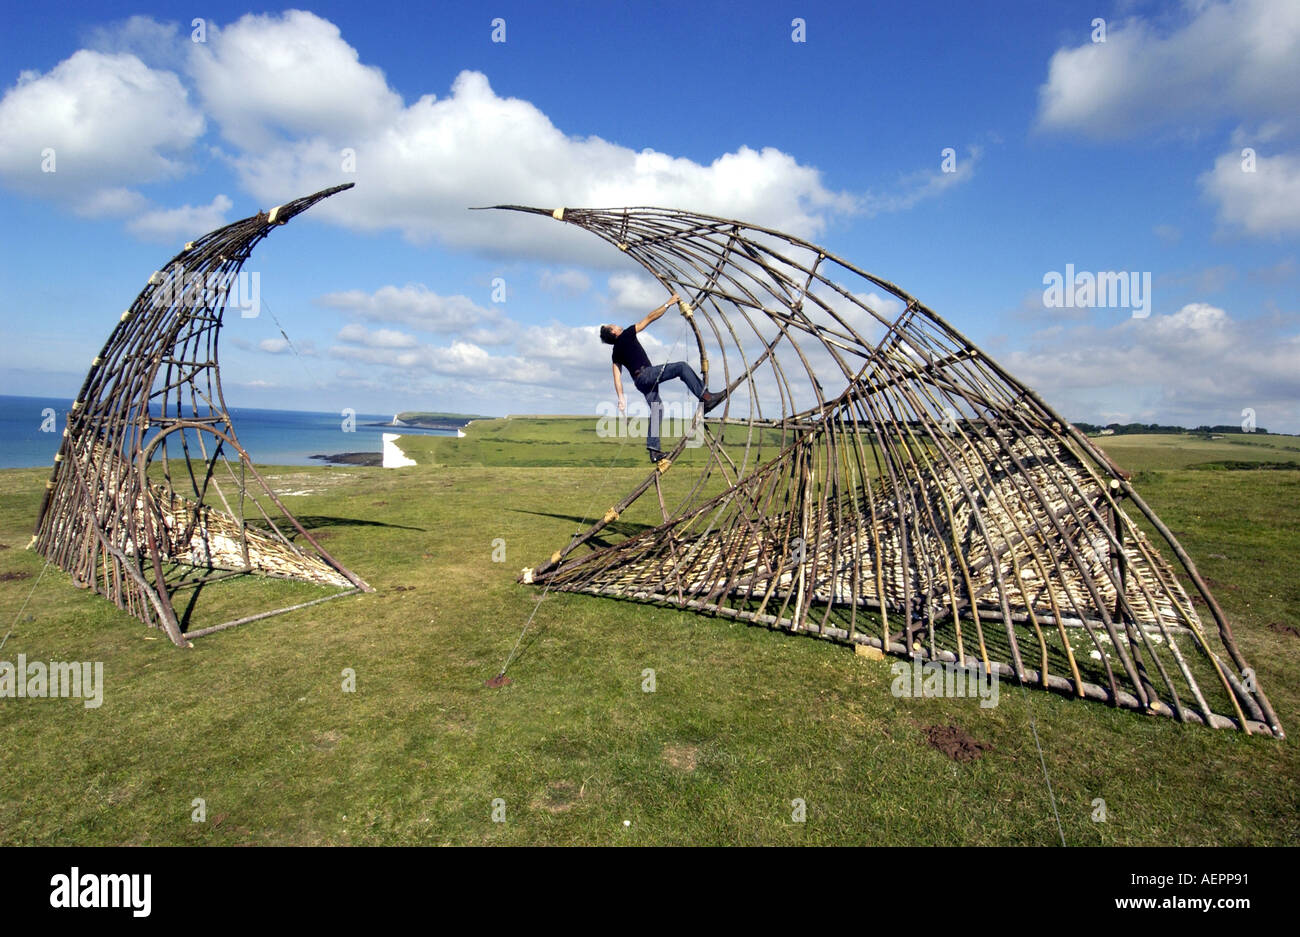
[628, 351]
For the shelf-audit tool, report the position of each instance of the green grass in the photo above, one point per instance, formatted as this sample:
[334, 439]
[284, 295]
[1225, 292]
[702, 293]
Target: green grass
[742, 722]
[1181, 451]
[413, 415]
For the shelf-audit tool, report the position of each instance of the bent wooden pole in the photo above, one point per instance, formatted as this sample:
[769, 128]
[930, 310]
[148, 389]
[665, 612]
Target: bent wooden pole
[149, 445]
[885, 482]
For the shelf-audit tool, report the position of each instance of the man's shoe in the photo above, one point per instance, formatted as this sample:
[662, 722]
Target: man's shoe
[657, 456]
[712, 400]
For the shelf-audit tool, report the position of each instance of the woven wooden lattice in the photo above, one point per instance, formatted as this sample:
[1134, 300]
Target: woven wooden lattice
[874, 478]
[151, 492]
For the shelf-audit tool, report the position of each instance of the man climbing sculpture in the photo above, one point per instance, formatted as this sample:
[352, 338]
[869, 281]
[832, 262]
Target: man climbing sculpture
[629, 354]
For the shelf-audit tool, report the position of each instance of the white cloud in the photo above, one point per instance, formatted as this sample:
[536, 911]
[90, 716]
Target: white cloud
[578, 349]
[153, 42]
[632, 291]
[181, 224]
[265, 75]
[379, 338]
[1263, 202]
[110, 120]
[1266, 132]
[291, 97]
[563, 364]
[116, 202]
[420, 166]
[922, 184]
[568, 281]
[459, 359]
[415, 306]
[1195, 366]
[1238, 59]
[275, 346]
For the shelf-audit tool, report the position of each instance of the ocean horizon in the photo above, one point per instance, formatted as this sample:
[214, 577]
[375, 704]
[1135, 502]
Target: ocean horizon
[29, 438]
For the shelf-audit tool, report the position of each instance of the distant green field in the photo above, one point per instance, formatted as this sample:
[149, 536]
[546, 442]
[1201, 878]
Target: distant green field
[412, 415]
[566, 441]
[1182, 451]
[742, 722]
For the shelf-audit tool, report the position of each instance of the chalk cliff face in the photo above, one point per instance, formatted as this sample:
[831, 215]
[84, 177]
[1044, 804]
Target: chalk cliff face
[394, 457]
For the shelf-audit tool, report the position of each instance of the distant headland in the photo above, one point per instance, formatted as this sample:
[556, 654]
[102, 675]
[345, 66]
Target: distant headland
[420, 419]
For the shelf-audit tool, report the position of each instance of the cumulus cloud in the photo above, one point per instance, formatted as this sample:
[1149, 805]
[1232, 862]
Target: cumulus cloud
[109, 120]
[415, 306]
[298, 110]
[295, 100]
[564, 364]
[265, 77]
[631, 291]
[1194, 366]
[437, 157]
[1265, 201]
[1237, 59]
[459, 359]
[379, 338]
[166, 225]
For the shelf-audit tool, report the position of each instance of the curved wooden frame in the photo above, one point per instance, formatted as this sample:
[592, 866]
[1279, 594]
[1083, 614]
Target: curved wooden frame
[887, 483]
[116, 528]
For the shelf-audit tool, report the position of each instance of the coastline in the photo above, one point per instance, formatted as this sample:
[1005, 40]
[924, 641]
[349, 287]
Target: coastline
[351, 458]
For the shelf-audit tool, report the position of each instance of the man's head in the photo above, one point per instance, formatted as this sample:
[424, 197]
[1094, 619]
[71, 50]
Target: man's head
[609, 333]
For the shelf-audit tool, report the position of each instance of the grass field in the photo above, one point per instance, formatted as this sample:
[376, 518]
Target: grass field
[742, 721]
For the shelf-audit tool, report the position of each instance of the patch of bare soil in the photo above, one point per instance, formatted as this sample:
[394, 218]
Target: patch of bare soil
[325, 741]
[955, 742]
[682, 757]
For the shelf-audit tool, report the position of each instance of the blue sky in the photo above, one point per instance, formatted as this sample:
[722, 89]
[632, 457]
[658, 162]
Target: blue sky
[1122, 155]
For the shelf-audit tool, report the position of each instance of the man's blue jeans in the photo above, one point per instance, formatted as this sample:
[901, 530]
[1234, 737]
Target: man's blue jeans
[648, 382]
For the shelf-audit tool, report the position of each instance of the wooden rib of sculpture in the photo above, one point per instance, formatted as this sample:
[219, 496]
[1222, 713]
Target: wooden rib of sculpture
[876, 479]
[149, 452]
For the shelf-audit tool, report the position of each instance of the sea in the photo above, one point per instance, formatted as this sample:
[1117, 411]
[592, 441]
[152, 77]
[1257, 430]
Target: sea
[31, 429]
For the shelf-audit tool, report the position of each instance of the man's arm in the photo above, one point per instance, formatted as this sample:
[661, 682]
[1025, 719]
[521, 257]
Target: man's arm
[618, 388]
[656, 313]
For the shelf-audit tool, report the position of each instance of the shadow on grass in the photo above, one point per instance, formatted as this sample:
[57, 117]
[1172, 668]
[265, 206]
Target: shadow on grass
[623, 528]
[196, 579]
[192, 581]
[313, 521]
